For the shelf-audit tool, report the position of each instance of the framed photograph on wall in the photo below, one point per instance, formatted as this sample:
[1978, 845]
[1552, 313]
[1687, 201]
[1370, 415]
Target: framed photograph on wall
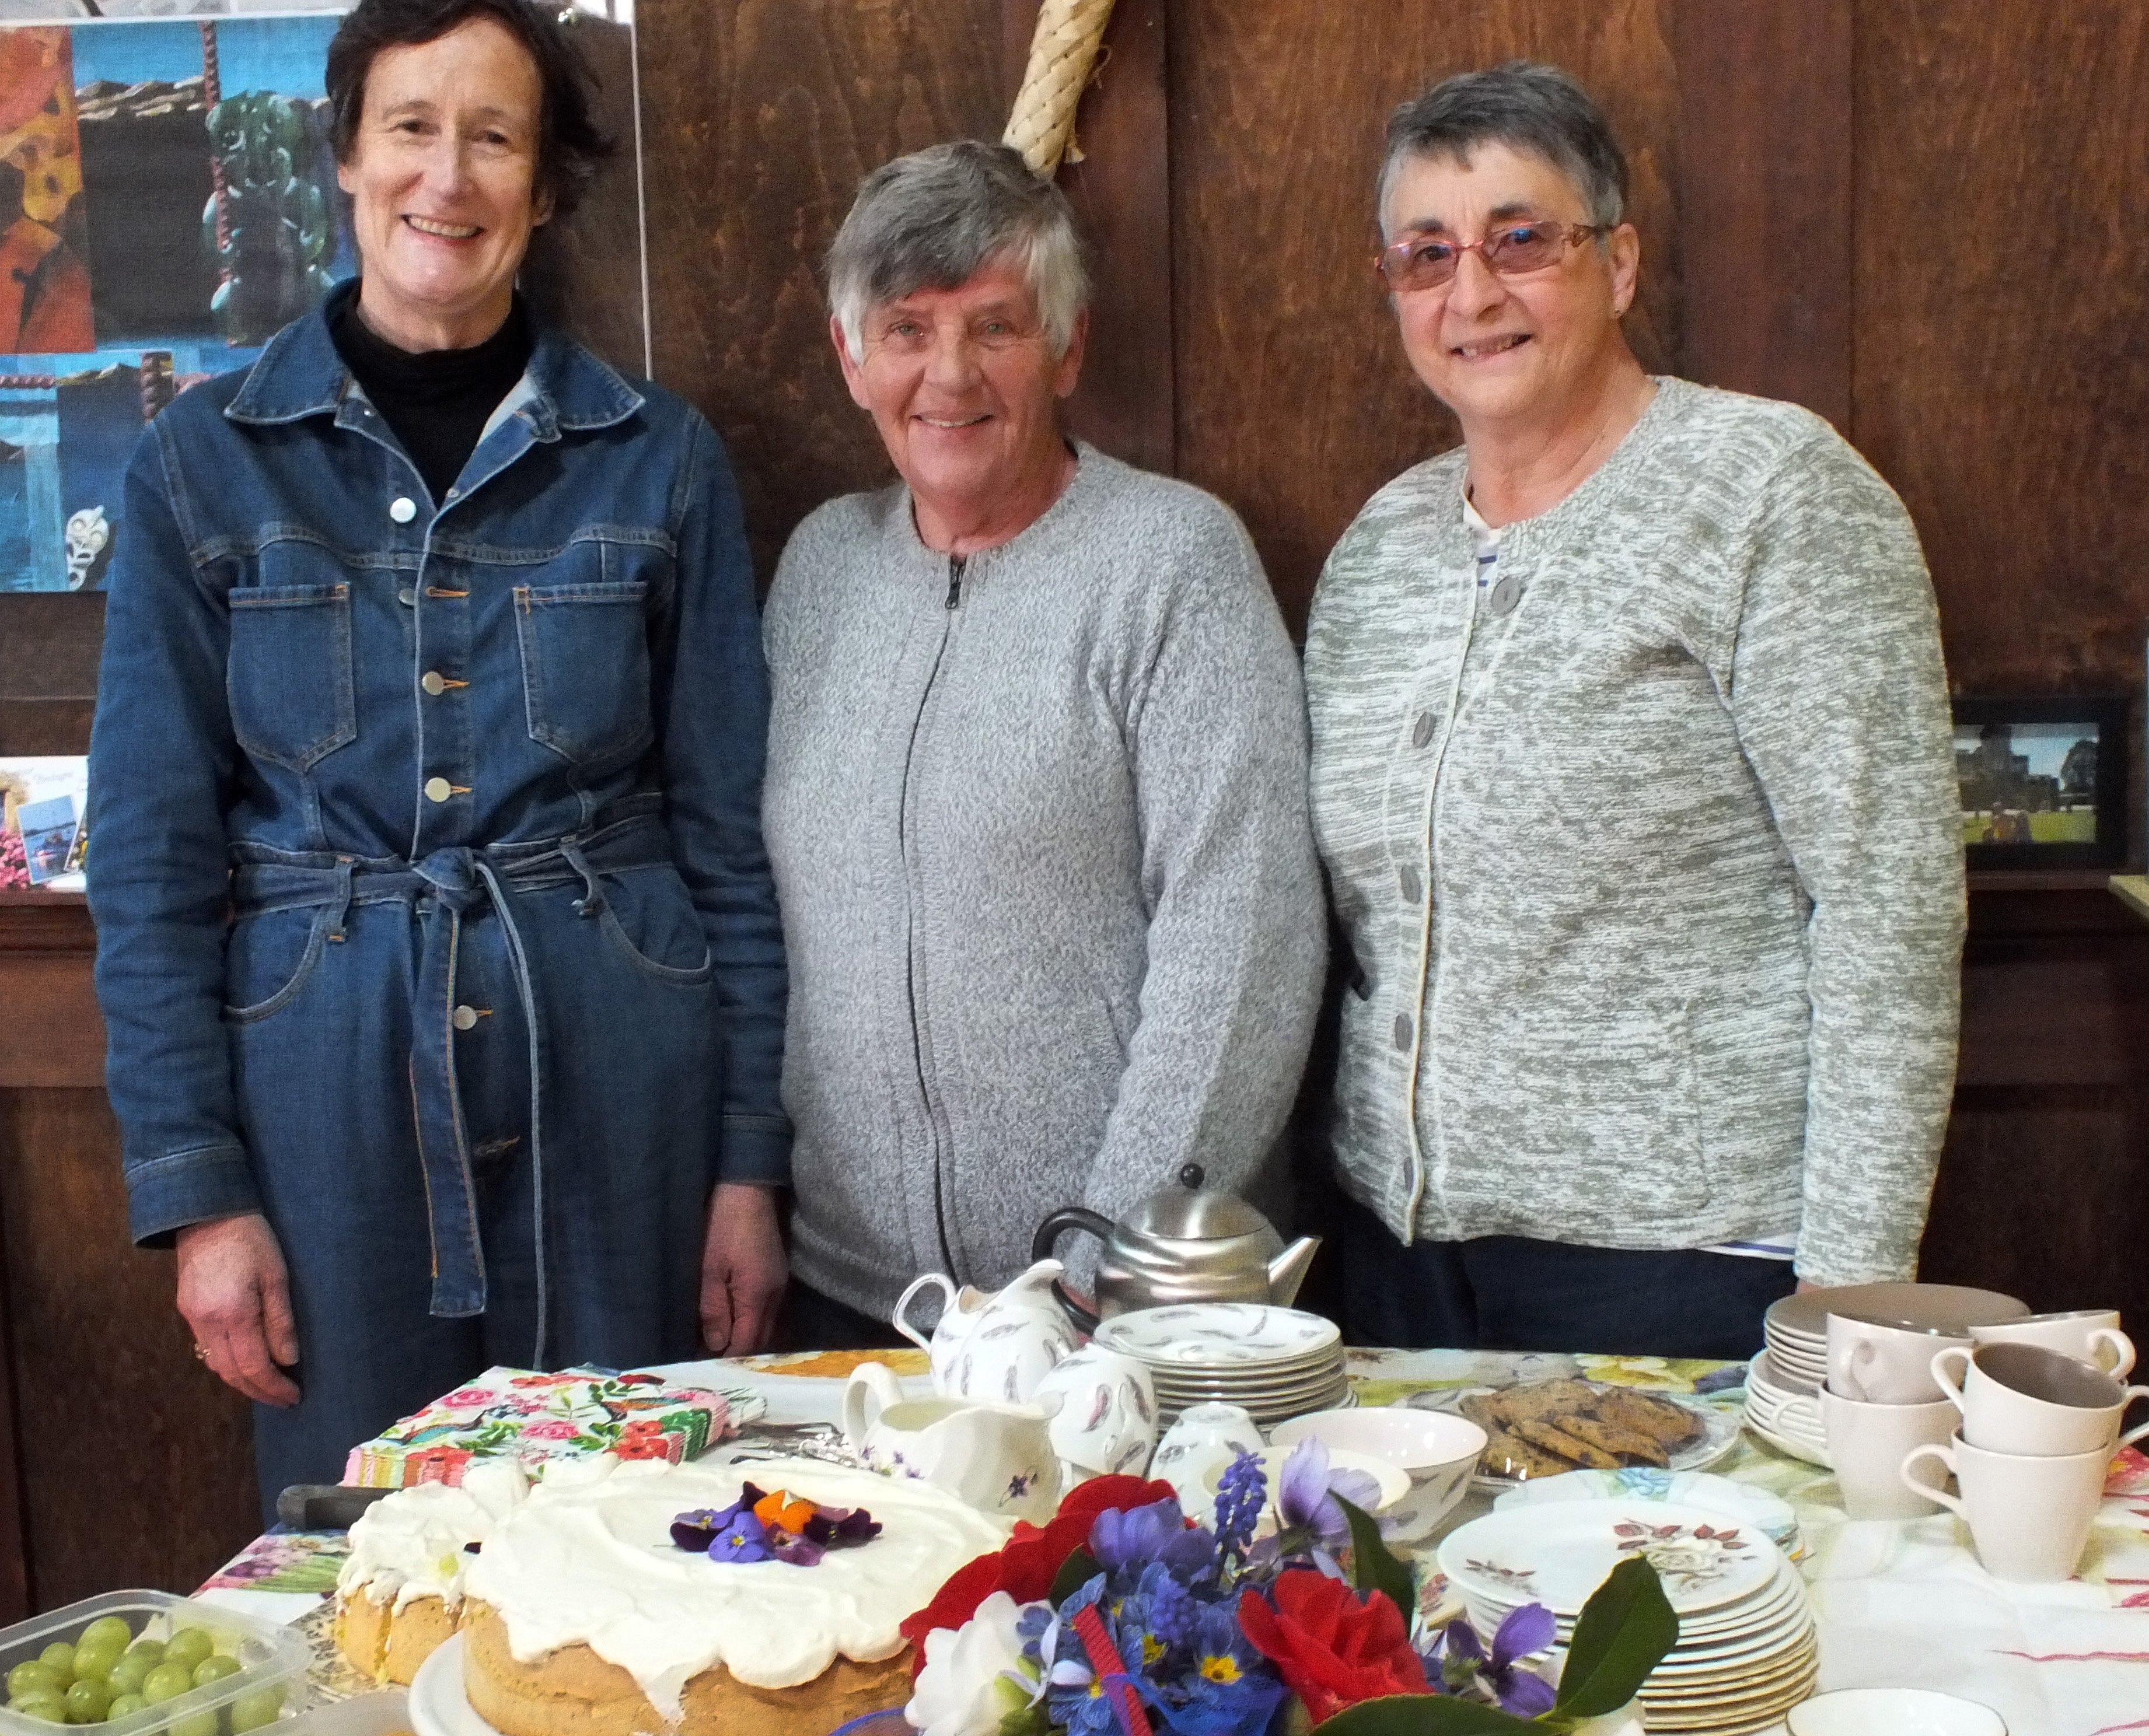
[2044, 781]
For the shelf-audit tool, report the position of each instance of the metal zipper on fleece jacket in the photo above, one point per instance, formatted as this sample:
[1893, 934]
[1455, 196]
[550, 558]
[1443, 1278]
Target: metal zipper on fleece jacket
[943, 1137]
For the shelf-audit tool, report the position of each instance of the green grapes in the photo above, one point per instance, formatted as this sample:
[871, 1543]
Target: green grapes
[123, 1703]
[215, 1669]
[188, 1646]
[129, 1673]
[61, 1656]
[167, 1681]
[48, 1706]
[106, 1632]
[33, 1675]
[256, 1709]
[88, 1701]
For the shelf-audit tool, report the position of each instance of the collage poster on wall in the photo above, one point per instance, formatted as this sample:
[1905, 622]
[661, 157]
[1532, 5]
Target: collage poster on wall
[167, 201]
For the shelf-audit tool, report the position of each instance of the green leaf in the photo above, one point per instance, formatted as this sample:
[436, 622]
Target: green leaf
[1030, 1721]
[1423, 1714]
[1624, 1632]
[1077, 1571]
[1373, 1567]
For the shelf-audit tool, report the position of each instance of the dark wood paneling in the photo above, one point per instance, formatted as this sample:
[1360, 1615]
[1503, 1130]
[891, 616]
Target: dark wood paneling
[760, 117]
[138, 1464]
[2002, 364]
[48, 950]
[2040, 1191]
[584, 272]
[1765, 179]
[1121, 193]
[1294, 400]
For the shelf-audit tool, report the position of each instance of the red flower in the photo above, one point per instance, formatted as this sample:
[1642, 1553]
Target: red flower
[1032, 1560]
[1332, 1650]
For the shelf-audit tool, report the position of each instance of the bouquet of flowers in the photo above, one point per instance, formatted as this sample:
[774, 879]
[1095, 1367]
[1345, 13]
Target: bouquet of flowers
[1123, 1618]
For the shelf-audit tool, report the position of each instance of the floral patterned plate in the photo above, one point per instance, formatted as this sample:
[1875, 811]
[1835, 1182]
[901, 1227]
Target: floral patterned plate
[1718, 1440]
[1558, 1553]
[1770, 1514]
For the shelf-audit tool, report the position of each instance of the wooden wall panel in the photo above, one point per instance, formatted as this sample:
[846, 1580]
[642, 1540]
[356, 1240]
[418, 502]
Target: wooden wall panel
[760, 117]
[139, 1462]
[2002, 362]
[1294, 400]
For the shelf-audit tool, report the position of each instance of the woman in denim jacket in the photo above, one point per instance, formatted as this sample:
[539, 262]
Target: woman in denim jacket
[437, 945]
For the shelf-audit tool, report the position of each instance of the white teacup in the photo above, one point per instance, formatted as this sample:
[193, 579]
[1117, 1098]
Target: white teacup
[1107, 1419]
[2022, 1398]
[1866, 1444]
[2088, 1335]
[1882, 1362]
[1206, 1438]
[997, 1457]
[1893, 1712]
[2028, 1515]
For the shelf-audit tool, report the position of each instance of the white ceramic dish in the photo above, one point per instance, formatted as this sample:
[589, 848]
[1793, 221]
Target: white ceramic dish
[1813, 1452]
[1437, 1452]
[1210, 1334]
[1394, 1483]
[1894, 1712]
[1557, 1555]
[1952, 1308]
[439, 1706]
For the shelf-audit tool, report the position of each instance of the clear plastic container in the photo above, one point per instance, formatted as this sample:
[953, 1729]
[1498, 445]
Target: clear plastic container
[269, 1684]
[382, 1714]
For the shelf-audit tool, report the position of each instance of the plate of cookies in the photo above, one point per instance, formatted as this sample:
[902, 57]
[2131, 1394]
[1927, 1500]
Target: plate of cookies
[1549, 1427]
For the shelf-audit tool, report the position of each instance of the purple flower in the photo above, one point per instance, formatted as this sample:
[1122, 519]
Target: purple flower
[745, 1538]
[1307, 1497]
[801, 1551]
[833, 1525]
[694, 1531]
[1461, 1657]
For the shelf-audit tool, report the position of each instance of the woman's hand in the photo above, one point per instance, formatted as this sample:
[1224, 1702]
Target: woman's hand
[742, 1269]
[235, 1294]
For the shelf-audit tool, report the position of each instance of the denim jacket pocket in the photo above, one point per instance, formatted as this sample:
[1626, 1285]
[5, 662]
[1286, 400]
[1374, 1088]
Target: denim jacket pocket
[650, 917]
[289, 677]
[267, 958]
[586, 669]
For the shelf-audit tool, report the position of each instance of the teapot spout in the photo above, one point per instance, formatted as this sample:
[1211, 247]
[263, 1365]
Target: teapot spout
[1287, 1271]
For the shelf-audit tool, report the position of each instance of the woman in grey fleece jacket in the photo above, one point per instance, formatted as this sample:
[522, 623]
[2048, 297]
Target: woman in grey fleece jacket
[1036, 797]
[1632, 774]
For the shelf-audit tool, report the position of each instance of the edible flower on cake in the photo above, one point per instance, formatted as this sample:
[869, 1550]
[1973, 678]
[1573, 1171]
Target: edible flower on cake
[763, 1526]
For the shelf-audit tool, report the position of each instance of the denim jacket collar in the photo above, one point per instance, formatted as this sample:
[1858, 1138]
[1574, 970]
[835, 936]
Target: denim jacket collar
[301, 374]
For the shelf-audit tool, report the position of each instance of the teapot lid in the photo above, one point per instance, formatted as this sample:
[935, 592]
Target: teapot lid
[1190, 1213]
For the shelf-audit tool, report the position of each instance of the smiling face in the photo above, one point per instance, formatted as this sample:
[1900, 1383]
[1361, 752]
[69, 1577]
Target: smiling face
[1518, 351]
[962, 384]
[443, 172]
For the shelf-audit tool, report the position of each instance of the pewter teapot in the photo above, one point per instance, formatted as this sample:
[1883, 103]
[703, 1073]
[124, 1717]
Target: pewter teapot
[1188, 1243]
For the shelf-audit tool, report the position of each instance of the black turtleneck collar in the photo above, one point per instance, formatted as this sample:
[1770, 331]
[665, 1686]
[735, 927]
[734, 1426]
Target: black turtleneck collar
[437, 401]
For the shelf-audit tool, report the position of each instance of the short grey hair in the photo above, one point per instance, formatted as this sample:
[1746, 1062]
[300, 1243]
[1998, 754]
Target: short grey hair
[1528, 106]
[933, 219]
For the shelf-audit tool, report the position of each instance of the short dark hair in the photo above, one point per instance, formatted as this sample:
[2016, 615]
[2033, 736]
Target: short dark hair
[571, 147]
[1527, 106]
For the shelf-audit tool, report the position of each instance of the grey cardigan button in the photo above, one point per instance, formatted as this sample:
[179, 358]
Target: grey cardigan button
[1506, 594]
[1403, 1031]
[1409, 880]
[1422, 732]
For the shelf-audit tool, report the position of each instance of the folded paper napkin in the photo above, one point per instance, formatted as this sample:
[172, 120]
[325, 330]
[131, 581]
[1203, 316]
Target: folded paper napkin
[536, 1417]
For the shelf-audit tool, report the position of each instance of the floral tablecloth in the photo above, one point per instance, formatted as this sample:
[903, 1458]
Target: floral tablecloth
[1898, 1604]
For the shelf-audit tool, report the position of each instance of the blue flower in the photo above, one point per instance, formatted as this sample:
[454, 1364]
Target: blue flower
[745, 1538]
[1172, 1609]
[1242, 1495]
[1132, 1536]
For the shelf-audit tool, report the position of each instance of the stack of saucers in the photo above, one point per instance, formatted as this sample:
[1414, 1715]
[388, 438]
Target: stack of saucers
[1747, 1651]
[1272, 1362]
[1771, 1515]
[1784, 1410]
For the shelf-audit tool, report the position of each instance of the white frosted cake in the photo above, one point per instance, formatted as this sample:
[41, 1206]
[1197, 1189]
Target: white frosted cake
[585, 1616]
[401, 1591]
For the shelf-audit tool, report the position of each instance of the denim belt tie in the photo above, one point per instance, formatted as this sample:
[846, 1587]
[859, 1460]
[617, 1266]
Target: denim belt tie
[462, 882]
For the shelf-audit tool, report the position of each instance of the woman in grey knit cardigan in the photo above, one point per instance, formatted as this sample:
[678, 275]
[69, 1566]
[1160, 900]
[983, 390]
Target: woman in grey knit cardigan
[1632, 774]
[1036, 789]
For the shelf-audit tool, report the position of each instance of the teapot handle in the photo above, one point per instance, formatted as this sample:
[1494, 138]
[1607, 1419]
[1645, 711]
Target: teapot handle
[1070, 1217]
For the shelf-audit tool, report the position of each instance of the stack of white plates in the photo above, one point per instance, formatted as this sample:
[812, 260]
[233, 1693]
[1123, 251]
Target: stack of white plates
[1785, 1411]
[1772, 1515]
[1747, 1651]
[1273, 1362]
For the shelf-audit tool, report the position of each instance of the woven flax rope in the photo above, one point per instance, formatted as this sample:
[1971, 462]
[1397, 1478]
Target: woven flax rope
[1061, 53]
